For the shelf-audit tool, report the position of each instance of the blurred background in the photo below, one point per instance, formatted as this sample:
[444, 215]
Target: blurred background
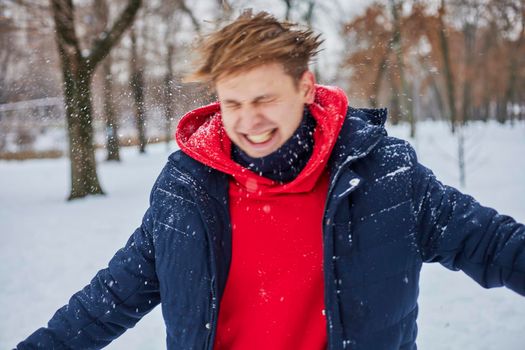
[91, 92]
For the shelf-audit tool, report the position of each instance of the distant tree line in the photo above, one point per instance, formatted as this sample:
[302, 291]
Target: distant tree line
[458, 60]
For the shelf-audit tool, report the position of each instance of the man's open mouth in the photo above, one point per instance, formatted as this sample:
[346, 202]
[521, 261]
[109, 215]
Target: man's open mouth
[261, 138]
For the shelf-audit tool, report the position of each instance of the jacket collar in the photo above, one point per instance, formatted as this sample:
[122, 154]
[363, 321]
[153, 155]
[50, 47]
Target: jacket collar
[361, 132]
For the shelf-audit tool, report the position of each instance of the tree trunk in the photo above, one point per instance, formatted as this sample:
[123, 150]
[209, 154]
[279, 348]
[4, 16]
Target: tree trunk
[447, 67]
[137, 87]
[405, 107]
[484, 111]
[374, 96]
[112, 140]
[461, 157]
[395, 112]
[416, 109]
[77, 93]
[77, 73]
[84, 179]
[6, 57]
[439, 99]
[101, 11]
[88, 167]
[485, 97]
[513, 72]
[469, 33]
[168, 94]
[288, 4]
[501, 110]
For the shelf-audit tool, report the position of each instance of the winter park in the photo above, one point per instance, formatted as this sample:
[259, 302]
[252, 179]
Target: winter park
[293, 174]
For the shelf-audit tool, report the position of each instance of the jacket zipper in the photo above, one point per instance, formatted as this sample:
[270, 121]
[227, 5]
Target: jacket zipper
[210, 326]
[329, 254]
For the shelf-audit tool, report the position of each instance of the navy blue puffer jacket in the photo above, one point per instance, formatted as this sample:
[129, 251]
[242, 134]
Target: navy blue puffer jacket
[385, 215]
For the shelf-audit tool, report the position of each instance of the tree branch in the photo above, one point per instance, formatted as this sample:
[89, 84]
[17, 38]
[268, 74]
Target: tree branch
[30, 5]
[65, 26]
[110, 37]
[182, 5]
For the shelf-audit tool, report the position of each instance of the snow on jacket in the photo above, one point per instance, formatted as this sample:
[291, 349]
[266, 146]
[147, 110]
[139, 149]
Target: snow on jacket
[385, 215]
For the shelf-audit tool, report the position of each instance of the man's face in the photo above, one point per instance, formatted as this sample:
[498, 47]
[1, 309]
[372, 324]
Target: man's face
[261, 108]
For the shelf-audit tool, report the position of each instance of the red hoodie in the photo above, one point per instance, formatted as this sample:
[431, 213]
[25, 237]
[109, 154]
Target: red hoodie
[274, 293]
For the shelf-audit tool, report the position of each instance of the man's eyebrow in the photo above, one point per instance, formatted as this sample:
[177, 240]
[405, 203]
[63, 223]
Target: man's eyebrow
[263, 97]
[230, 101]
[255, 100]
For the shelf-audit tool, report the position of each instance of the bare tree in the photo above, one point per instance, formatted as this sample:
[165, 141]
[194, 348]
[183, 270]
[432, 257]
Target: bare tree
[137, 88]
[168, 87]
[101, 10]
[112, 125]
[181, 5]
[447, 66]
[6, 53]
[289, 5]
[169, 11]
[78, 66]
[510, 10]
[168, 16]
[397, 45]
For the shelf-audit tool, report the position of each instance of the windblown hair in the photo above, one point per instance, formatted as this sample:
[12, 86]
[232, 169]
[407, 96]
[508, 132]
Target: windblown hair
[253, 40]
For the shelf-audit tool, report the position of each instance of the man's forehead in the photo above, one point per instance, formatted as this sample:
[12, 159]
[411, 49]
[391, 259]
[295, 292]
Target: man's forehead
[272, 65]
[250, 85]
[249, 99]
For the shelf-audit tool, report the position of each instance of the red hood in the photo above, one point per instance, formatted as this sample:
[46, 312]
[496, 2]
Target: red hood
[200, 135]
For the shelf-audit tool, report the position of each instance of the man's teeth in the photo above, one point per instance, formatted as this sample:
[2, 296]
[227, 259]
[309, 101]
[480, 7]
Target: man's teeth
[260, 138]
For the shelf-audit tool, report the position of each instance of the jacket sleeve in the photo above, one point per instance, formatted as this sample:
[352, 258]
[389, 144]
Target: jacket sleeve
[458, 232]
[115, 299]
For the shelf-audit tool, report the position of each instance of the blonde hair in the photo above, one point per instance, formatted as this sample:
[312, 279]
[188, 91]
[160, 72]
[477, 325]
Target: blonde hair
[253, 40]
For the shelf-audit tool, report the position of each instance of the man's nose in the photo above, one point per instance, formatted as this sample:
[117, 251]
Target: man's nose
[250, 117]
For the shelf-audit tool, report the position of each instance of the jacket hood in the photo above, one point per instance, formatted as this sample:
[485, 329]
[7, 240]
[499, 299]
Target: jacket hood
[200, 134]
[362, 130]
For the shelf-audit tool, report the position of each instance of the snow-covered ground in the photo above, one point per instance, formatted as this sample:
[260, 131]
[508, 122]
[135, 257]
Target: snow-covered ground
[50, 248]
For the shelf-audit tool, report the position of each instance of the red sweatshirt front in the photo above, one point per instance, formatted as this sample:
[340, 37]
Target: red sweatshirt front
[274, 293]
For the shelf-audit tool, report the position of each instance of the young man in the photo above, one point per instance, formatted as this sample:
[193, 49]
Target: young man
[288, 220]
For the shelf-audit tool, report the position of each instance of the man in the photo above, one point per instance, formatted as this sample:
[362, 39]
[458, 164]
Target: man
[288, 220]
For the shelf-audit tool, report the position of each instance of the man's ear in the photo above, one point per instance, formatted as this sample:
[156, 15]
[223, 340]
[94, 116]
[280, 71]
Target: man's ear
[307, 86]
